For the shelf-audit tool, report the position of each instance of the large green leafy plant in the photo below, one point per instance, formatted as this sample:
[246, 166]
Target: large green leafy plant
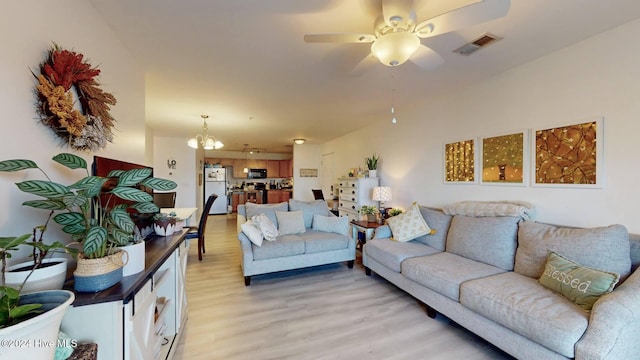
[86, 209]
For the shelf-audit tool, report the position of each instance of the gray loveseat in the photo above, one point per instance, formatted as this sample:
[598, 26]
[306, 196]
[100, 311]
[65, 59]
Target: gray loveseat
[482, 273]
[316, 243]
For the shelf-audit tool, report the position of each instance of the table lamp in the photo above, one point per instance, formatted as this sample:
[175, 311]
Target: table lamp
[382, 194]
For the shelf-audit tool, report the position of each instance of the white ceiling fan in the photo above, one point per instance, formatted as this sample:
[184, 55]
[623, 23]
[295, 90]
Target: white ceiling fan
[397, 34]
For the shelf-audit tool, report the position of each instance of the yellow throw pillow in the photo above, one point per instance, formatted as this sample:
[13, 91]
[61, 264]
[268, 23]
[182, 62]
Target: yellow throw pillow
[578, 283]
[408, 225]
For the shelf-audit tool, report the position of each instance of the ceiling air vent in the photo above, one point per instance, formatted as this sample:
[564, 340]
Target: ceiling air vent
[475, 45]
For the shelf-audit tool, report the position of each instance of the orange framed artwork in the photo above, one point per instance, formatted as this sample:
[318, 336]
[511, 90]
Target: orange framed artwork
[569, 155]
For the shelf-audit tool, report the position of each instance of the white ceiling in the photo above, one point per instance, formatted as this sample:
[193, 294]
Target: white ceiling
[244, 62]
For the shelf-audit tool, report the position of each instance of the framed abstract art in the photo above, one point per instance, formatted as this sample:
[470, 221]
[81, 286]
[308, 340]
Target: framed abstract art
[570, 155]
[459, 162]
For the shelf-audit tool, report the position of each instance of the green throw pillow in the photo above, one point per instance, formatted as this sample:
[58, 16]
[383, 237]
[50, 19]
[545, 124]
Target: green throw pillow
[578, 283]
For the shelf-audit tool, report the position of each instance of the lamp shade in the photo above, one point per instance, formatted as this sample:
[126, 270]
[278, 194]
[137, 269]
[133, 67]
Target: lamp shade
[381, 193]
[394, 48]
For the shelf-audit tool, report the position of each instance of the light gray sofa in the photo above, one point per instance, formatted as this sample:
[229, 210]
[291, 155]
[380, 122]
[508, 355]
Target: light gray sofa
[293, 251]
[482, 273]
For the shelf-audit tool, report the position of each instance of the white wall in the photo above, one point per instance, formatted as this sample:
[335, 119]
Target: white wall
[306, 156]
[596, 77]
[27, 30]
[167, 149]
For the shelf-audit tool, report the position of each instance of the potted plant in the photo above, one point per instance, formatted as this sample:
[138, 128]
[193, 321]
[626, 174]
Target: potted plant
[27, 318]
[370, 212]
[42, 272]
[395, 211]
[372, 165]
[164, 224]
[87, 212]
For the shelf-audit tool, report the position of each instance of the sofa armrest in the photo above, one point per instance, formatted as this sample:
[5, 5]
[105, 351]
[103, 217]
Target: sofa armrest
[246, 251]
[614, 324]
[382, 232]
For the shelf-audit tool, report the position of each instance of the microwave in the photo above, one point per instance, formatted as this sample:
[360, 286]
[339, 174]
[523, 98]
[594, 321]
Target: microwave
[257, 174]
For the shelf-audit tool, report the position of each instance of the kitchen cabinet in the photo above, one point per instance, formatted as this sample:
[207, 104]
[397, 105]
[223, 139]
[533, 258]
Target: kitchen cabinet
[273, 168]
[237, 198]
[238, 168]
[353, 193]
[278, 196]
[286, 168]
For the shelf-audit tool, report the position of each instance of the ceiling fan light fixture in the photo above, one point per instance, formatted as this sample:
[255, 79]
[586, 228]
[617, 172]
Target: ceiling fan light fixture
[395, 48]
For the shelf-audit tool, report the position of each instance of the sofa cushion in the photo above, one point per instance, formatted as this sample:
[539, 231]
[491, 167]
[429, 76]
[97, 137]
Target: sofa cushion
[408, 225]
[491, 240]
[290, 222]
[580, 284]
[286, 245]
[444, 272]
[333, 224]
[320, 241]
[603, 248]
[527, 308]
[268, 209]
[253, 232]
[267, 227]
[439, 222]
[392, 253]
[309, 209]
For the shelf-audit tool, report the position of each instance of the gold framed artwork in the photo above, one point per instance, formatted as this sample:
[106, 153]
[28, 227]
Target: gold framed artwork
[505, 159]
[308, 172]
[570, 155]
[459, 162]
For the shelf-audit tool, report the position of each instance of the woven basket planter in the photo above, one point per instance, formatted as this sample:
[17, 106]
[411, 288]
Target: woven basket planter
[93, 275]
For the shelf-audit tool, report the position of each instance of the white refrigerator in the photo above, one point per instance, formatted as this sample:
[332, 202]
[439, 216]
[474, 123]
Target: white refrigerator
[215, 182]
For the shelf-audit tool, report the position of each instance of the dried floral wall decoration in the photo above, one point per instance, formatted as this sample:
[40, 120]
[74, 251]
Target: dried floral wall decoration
[85, 124]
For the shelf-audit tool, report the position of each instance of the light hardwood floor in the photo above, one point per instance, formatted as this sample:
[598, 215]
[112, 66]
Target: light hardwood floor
[325, 312]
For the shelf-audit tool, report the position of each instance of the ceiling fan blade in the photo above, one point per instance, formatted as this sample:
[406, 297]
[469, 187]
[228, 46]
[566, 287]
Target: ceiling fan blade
[339, 38]
[395, 12]
[466, 16]
[426, 58]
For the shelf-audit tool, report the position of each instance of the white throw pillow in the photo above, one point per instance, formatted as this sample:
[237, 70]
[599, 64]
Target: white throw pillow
[268, 228]
[408, 225]
[290, 222]
[334, 224]
[253, 232]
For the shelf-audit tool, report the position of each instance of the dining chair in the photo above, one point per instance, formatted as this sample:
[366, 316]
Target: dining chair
[317, 194]
[198, 232]
[165, 199]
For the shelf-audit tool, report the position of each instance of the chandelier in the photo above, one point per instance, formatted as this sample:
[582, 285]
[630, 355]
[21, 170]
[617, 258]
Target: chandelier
[207, 142]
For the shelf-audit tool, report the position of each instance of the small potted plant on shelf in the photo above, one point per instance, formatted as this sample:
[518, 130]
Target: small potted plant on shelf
[26, 317]
[372, 165]
[85, 210]
[164, 224]
[370, 212]
[394, 211]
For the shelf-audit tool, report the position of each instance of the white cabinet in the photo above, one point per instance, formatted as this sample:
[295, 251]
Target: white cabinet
[145, 321]
[353, 193]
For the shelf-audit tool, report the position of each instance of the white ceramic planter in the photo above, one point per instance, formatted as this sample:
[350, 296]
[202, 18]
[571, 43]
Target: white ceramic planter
[47, 278]
[37, 337]
[164, 228]
[136, 254]
[373, 173]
